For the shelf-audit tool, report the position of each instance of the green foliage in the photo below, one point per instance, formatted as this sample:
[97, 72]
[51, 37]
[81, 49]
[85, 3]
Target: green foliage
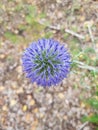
[35, 27]
[93, 102]
[92, 119]
[87, 56]
[19, 7]
[32, 26]
[75, 46]
[65, 35]
[48, 34]
[12, 37]
[89, 50]
[31, 17]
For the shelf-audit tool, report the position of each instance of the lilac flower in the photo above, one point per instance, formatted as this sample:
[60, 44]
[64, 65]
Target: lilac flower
[46, 62]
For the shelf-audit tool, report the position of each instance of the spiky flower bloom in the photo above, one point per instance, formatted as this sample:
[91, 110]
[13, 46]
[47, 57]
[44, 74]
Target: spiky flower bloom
[46, 62]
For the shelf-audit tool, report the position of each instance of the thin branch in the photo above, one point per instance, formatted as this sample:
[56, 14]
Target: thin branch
[55, 27]
[88, 67]
[90, 33]
[83, 125]
[92, 37]
[66, 30]
[84, 66]
[78, 62]
[74, 34]
[50, 26]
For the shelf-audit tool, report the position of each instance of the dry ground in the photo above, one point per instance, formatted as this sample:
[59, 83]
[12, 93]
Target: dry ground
[25, 106]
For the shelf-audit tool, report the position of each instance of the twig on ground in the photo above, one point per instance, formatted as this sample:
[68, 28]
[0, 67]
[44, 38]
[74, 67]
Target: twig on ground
[83, 125]
[54, 27]
[90, 33]
[84, 66]
[88, 67]
[66, 30]
[74, 34]
[91, 36]
[50, 26]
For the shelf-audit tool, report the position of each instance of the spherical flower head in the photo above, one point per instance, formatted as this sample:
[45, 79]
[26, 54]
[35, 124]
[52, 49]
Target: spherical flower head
[46, 62]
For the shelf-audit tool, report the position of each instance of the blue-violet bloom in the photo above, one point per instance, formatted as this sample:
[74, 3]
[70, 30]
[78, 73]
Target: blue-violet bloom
[46, 62]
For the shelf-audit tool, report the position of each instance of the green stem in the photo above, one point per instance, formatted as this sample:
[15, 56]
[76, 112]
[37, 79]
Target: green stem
[85, 66]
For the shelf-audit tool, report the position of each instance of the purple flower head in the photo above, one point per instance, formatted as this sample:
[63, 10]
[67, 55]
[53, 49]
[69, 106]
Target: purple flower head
[46, 62]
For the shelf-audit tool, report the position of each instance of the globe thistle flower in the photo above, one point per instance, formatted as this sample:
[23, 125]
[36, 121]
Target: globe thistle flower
[46, 62]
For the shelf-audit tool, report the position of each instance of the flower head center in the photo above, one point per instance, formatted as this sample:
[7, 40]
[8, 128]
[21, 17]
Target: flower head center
[45, 63]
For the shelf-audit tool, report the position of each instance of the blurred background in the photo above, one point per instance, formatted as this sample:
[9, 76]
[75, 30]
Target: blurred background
[25, 106]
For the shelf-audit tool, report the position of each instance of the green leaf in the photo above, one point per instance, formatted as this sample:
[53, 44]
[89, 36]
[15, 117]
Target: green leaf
[32, 14]
[48, 34]
[42, 15]
[12, 37]
[97, 93]
[93, 102]
[29, 19]
[89, 50]
[66, 35]
[92, 119]
[32, 10]
[19, 7]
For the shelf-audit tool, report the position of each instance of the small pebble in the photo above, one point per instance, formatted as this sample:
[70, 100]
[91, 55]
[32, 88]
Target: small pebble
[32, 102]
[24, 108]
[61, 96]
[87, 128]
[13, 102]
